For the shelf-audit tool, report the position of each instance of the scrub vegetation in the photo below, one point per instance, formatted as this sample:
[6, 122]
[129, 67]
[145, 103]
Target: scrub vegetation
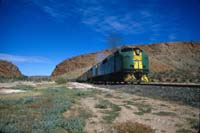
[60, 80]
[41, 113]
[112, 110]
[142, 107]
[75, 108]
[23, 87]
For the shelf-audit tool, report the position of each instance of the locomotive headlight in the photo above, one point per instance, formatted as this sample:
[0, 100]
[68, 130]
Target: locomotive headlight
[137, 51]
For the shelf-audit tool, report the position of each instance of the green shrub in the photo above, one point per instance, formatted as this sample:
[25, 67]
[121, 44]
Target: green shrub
[60, 80]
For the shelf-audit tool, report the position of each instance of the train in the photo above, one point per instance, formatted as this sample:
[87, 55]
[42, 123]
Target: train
[126, 64]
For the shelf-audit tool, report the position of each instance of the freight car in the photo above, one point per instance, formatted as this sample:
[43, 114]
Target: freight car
[124, 65]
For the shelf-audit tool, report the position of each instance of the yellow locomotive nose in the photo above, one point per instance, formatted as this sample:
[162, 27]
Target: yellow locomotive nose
[137, 59]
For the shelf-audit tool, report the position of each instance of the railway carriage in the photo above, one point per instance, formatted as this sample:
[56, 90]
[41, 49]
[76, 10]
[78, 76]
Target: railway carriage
[124, 65]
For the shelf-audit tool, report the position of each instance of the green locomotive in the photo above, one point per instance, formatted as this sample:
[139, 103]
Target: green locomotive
[124, 65]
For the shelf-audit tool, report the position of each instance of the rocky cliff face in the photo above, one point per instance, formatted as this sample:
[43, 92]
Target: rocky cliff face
[172, 61]
[8, 70]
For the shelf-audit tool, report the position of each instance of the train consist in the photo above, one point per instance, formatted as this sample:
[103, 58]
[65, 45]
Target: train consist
[124, 65]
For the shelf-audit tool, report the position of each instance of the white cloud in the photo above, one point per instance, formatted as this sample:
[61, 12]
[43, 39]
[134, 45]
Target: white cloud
[101, 17]
[50, 11]
[30, 59]
[97, 16]
[172, 37]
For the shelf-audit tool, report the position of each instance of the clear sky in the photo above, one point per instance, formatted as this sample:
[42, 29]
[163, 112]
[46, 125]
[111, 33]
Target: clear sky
[38, 34]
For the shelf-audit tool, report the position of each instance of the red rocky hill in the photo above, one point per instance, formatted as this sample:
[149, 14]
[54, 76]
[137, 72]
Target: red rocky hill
[9, 70]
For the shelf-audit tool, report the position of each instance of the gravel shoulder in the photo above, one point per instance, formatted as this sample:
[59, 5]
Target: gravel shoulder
[183, 95]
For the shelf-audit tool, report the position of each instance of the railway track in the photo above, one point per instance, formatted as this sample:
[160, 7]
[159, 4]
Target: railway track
[193, 85]
[173, 84]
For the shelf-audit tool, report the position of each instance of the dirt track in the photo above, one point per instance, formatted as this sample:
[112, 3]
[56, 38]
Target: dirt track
[159, 99]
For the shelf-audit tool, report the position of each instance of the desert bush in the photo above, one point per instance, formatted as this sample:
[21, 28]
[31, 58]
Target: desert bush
[132, 127]
[60, 80]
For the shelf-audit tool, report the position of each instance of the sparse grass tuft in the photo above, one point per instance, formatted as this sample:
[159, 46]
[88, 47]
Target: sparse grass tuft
[132, 127]
[110, 115]
[103, 104]
[164, 113]
[84, 113]
[142, 108]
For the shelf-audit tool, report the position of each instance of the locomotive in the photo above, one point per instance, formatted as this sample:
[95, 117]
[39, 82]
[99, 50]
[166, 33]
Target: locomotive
[124, 65]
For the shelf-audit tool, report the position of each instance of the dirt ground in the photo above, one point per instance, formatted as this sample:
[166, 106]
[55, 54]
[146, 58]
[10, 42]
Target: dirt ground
[162, 116]
[174, 118]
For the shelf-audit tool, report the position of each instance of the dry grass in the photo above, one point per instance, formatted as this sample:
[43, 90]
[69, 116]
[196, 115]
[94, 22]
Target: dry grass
[132, 127]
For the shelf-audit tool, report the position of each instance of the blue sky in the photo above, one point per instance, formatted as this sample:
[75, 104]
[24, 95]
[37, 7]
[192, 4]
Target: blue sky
[38, 34]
